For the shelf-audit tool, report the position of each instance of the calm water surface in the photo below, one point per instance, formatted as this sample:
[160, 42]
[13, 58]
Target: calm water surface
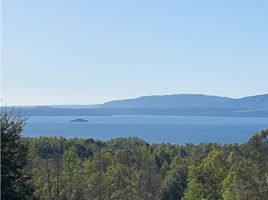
[173, 129]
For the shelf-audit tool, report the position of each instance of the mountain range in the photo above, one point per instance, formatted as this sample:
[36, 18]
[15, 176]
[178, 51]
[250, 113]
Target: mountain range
[177, 104]
[190, 101]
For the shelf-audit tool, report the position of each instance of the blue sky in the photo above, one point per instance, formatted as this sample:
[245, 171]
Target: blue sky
[86, 52]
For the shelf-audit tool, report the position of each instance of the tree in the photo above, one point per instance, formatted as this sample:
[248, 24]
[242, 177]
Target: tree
[253, 168]
[175, 181]
[194, 191]
[16, 180]
[47, 157]
[97, 186]
[147, 176]
[43, 176]
[120, 186]
[94, 170]
[207, 177]
[71, 175]
[230, 190]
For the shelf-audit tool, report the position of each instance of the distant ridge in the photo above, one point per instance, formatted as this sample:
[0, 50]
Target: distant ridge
[190, 101]
[177, 104]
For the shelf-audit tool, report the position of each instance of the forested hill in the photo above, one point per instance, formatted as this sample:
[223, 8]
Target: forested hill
[183, 105]
[190, 100]
[130, 168]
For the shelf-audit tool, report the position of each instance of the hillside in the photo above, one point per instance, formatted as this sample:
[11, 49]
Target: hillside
[182, 104]
[190, 100]
[167, 101]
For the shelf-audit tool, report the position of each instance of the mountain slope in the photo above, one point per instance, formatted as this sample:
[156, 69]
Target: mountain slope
[190, 101]
[180, 105]
[251, 102]
[167, 101]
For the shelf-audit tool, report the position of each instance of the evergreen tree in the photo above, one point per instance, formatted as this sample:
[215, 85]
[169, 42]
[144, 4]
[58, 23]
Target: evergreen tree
[230, 190]
[194, 191]
[15, 177]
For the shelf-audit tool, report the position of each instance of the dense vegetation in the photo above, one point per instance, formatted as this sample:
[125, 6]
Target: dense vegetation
[132, 169]
[15, 170]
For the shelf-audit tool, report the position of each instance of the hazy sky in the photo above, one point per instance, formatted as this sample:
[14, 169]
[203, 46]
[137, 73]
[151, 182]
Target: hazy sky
[85, 52]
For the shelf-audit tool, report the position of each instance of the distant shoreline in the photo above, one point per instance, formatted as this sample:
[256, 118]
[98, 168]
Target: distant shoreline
[206, 112]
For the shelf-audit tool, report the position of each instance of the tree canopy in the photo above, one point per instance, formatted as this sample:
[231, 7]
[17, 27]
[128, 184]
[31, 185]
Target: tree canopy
[56, 168]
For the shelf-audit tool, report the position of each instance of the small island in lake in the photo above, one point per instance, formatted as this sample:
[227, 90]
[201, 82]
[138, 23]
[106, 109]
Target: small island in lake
[79, 120]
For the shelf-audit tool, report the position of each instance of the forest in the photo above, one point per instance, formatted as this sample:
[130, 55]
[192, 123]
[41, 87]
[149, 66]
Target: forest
[57, 168]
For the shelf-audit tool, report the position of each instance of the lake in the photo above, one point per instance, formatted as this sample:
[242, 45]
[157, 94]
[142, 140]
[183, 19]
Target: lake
[153, 129]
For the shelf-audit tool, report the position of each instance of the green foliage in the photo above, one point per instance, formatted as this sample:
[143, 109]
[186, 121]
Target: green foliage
[130, 168]
[230, 190]
[175, 181]
[120, 185]
[253, 168]
[207, 177]
[15, 174]
[193, 191]
[71, 175]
